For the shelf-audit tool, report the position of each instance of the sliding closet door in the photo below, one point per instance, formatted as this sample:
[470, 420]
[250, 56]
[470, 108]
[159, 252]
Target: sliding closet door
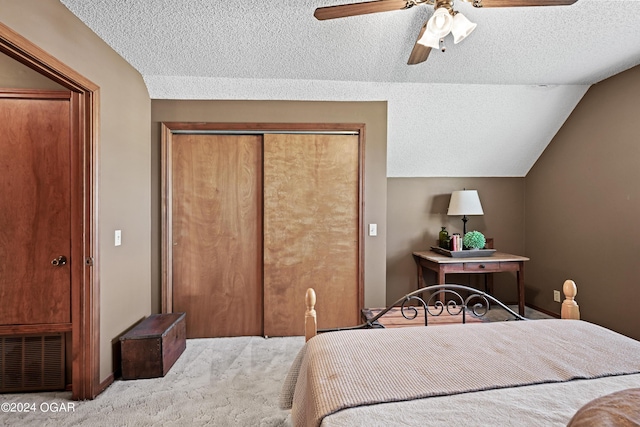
[311, 230]
[216, 206]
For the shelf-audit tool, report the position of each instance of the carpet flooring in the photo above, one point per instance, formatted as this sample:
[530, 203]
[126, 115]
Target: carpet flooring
[216, 382]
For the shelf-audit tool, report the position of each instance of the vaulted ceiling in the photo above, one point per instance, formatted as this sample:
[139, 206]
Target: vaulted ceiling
[488, 106]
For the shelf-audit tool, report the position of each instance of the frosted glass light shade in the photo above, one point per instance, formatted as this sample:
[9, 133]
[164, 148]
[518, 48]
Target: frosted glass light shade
[439, 25]
[429, 40]
[465, 202]
[461, 27]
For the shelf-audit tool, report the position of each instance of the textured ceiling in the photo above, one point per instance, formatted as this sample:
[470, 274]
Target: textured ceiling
[500, 94]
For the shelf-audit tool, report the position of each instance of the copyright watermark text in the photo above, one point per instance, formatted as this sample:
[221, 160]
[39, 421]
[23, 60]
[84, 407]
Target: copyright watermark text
[20, 407]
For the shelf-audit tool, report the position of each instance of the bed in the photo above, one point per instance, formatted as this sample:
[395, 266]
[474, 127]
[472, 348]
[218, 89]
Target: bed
[517, 372]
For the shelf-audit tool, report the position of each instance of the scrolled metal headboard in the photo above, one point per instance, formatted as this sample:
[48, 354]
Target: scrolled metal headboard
[476, 303]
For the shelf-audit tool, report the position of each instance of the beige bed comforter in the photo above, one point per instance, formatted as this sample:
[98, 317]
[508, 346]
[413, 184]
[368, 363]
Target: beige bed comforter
[355, 368]
[540, 405]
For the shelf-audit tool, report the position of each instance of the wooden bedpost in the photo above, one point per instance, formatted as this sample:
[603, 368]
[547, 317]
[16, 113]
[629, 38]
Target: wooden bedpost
[570, 309]
[310, 321]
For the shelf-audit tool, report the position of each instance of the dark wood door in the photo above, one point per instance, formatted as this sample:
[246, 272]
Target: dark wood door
[216, 228]
[35, 218]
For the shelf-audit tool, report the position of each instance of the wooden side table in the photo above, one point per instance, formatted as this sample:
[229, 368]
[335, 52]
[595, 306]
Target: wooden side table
[499, 261]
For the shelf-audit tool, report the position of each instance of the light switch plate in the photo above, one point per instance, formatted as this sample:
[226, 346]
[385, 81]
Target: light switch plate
[118, 238]
[373, 229]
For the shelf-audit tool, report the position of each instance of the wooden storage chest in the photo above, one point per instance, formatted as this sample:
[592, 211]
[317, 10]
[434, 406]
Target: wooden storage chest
[151, 348]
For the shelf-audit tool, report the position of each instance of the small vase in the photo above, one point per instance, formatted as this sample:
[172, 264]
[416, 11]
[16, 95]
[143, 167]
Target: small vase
[443, 238]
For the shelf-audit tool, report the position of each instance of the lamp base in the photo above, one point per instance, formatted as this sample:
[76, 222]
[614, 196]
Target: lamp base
[464, 225]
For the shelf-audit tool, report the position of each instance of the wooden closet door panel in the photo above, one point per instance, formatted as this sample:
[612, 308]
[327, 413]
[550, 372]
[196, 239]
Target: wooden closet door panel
[311, 230]
[217, 233]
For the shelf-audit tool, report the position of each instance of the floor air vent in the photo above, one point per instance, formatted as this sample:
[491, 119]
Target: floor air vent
[32, 363]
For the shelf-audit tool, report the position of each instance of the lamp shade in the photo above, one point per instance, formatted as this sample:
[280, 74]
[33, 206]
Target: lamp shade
[461, 28]
[465, 202]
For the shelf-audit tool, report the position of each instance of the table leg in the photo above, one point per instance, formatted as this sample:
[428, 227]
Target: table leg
[441, 281]
[520, 277]
[488, 280]
[420, 283]
[441, 277]
[488, 286]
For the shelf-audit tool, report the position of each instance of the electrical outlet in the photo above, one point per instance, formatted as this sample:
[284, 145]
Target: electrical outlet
[556, 296]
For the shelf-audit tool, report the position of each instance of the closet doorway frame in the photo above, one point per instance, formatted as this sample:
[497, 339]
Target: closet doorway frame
[168, 129]
[85, 287]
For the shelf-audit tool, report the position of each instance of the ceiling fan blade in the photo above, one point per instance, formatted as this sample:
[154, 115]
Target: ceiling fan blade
[420, 52]
[517, 3]
[354, 9]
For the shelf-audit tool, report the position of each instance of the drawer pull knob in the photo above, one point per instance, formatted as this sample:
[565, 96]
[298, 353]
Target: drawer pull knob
[481, 265]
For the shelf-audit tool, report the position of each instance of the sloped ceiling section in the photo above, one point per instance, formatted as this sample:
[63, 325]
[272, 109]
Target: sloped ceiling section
[488, 106]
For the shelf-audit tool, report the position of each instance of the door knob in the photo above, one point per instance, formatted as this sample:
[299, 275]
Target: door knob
[61, 260]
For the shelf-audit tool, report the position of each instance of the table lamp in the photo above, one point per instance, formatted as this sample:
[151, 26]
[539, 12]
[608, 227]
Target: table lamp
[465, 202]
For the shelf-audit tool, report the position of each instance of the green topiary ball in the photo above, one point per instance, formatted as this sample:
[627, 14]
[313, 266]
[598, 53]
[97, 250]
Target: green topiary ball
[474, 240]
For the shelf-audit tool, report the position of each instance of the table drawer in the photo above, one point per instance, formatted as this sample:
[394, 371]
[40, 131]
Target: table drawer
[481, 266]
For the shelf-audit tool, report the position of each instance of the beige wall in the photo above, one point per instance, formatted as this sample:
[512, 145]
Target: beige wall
[416, 210]
[124, 166]
[372, 114]
[15, 75]
[583, 208]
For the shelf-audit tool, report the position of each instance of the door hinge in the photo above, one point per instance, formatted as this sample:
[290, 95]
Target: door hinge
[88, 261]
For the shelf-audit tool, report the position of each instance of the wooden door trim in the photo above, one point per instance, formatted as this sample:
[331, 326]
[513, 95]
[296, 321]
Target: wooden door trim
[45, 328]
[85, 295]
[167, 131]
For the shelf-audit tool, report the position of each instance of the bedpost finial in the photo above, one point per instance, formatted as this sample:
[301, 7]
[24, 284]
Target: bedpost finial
[570, 309]
[569, 289]
[310, 322]
[310, 299]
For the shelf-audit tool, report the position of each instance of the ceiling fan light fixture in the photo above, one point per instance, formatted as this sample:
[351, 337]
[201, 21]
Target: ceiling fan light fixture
[429, 40]
[461, 27]
[439, 25]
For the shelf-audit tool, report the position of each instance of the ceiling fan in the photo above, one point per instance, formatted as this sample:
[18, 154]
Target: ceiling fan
[444, 20]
